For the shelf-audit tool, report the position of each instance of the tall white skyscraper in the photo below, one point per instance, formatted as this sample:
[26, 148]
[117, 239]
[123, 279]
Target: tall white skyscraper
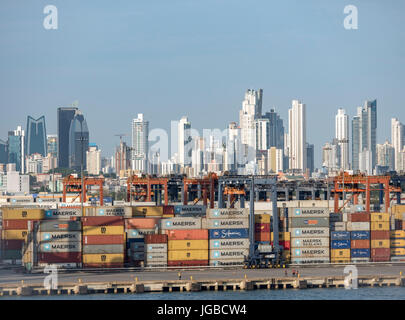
[184, 142]
[251, 110]
[386, 155]
[342, 137]
[93, 160]
[297, 136]
[262, 127]
[397, 139]
[140, 144]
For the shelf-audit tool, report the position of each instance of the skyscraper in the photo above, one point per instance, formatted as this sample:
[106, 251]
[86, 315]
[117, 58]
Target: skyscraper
[52, 141]
[364, 136]
[297, 136]
[78, 141]
[310, 158]
[3, 152]
[16, 150]
[184, 142]
[251, 110]
[342, 137]
[122, 158]
[65, 117]
[276, 129]
[140, 144]
[386, 155]
[36, 136]
[93, 159]
[397, 139]
[262, 127]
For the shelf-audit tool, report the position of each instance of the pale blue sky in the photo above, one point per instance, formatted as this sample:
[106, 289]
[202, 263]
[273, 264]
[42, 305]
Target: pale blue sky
[172, 58]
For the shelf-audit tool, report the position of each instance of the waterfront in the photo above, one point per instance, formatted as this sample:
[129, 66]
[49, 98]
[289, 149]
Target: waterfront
[385, 293]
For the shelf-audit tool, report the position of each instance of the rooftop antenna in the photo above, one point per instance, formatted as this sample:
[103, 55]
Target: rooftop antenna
[120, 135]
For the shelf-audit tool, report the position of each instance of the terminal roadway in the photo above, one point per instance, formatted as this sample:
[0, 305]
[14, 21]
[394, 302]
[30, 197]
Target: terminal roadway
[10, 277]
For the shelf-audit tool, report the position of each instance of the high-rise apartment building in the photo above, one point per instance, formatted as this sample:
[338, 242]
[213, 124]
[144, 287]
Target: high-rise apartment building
[3, 152]
[397, 139]
[276, 129]
[93, 159]
[251, 110]
[16, 149]
[297, 149]
[65, 117]
[122, 158]
[52, 142]
[342, 137]
[262, 134]
[35, 141]
[78, 142]
[140, 144]
[184, 142]
[386, 155]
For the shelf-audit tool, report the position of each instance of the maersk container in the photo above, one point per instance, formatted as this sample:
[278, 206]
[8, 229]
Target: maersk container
[229, 243]
[228, 223]
[360, 235]
[317, 260]
[156, 257]
[155, 247]
[309, 232]
[180, 223]
[340, 235]
[309, 222]
[229, 233]
[103, 249]
[220, 213]
[192, 211]
[61, 247]
[137, 246]
[139, 233]
[63, 213]
[56, 225]
[358, 226]
[308, 212]
[340, 244]
[228, 254]
[63, 236]
[226, 262]
[310, 252]
[360, 253]
[310, 242]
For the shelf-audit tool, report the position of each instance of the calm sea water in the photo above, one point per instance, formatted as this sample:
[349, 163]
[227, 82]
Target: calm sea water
[384, 293]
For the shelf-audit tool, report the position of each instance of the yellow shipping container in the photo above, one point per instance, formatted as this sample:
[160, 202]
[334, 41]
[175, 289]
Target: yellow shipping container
[23, 214]
[377, 244]
[398, 234]
[177, 255]
[282, 236]
[397, 243]
[15, 234]
[187, 245]
[99, 231]
[262, 218]
[340, 260]
[398, 209]
[380, 226]
[397, 251]
[340, 253]
[380, 217]
[103, 258]
[147, 211]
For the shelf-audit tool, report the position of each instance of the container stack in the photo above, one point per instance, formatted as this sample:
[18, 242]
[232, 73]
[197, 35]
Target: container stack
[380, 237]
[229, 236]
[309, 235]
[103, 242]
[60, 243]
[340, 247]
[156, 250]
[136, 229]
[262, 228]
[358, 225]
[63, 214]
[397, 245]
[15, 231]
[108, 212]
[284, 240]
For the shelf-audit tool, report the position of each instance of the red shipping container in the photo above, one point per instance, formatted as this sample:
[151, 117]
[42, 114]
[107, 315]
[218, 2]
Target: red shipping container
[360, 244]
[155, 238]
[262, 227]
[103, 221]
[12, 244]
[103, 265]
[141, 223]
[380, 252]
[60, 257]
[262, 236]
[108, 239]
[359, 217]
[286, 244]
[168, 210]
[15, 224]
[187, 263]
[197, 234]
[380, 259]
[380, 235]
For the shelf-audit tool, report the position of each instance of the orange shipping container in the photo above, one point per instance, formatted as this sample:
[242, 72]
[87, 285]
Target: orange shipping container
[141, 223]
[262, 236]
[360, 244]
[197, 234]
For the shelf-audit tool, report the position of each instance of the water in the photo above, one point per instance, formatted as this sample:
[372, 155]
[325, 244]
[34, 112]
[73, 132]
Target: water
[376, 293]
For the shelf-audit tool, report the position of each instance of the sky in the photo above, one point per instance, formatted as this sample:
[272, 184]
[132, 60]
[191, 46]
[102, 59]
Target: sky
[168, 59]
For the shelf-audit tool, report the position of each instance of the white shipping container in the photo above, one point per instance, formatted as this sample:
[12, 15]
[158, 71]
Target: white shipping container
[317, 260]
[358, 226]
[228, 254]
[309, 232]
[155, 247]
[156, 257]
[322, 242]
[139, 233]
[229, 243]
[228, 223]
[180, 223]
[226, 262]
[310, 252]
[308, 212]
[220, 213]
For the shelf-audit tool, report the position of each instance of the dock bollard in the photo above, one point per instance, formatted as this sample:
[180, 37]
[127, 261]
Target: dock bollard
[80, 288]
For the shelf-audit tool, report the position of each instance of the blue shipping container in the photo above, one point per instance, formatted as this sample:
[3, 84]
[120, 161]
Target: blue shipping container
[360, 235]
[229, 233]
[360, 253]
[340, 235]
[340, 244]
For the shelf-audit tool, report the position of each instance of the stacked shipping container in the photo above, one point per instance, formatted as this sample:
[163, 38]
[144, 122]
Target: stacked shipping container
[156, 250]
[380, 237]
[397, 245]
